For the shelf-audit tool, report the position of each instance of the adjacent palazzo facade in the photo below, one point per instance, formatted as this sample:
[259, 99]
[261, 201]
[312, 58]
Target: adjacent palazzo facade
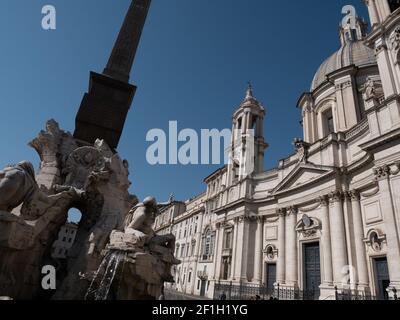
[329, 215]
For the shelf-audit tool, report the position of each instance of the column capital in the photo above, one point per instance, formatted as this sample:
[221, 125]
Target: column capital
[292, 210]
[382, 172]
[323, 200]
[379, 47]
[259, 219]
[281, 212]
[353, 195]
[336, 196]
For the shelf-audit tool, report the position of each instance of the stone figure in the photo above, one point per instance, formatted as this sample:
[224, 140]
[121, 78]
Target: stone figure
[142, 220]
[372, 89]
[369, 89]
[17, 185]
[302, 149]
[137, 256]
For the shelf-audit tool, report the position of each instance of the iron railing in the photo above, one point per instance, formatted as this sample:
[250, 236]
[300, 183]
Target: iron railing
[247, 291]
[228, 291]
[224, 290]
[355, 295]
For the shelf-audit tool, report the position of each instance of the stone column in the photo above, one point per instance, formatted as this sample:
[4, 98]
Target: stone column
[383, 61]
[248, 121]
[218, 252]
[258, 250]
[338, 237]
[385, 9]
[372, 11]
[361, 255]
[392, 237]
[291, 248]
[326, 243]
[198, 236]
[280, 274]
[235, 246]
[245, 248]
[306, 125]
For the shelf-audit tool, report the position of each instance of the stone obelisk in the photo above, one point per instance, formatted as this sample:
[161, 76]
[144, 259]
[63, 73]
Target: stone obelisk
[104, 108]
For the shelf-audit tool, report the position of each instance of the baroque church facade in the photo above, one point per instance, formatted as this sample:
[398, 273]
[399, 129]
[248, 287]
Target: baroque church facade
[327, 218]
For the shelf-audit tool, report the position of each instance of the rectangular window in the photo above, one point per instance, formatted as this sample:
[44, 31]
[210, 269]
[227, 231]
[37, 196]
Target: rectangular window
[183, 251]
[228, 240]
[328, 122]
[193, 248]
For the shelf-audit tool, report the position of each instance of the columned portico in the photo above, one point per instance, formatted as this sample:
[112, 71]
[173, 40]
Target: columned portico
[338, 238]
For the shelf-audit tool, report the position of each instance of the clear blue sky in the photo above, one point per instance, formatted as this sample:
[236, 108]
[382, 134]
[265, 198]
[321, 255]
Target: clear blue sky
[193, 64]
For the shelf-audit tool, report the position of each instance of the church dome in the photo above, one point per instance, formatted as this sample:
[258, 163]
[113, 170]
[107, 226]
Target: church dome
[351, 53]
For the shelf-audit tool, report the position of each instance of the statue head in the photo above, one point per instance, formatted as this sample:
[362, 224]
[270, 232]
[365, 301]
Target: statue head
[150, 202]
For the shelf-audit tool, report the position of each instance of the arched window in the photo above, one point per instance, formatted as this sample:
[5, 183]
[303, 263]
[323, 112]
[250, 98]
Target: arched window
[240, 124]
[208, 245]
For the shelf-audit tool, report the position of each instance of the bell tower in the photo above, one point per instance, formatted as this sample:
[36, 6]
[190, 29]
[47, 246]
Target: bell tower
[105, 106]
[248, 145]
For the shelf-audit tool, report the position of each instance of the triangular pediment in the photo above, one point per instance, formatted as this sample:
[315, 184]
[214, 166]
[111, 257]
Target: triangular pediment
[303, 174]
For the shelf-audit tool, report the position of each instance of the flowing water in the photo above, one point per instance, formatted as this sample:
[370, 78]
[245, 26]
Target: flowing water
[100, 286]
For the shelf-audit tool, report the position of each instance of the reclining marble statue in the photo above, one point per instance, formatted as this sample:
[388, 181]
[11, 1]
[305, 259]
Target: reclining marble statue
[142, 219]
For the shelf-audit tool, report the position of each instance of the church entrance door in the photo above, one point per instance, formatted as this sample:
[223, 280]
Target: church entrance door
[382, 278]
[312, 269]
